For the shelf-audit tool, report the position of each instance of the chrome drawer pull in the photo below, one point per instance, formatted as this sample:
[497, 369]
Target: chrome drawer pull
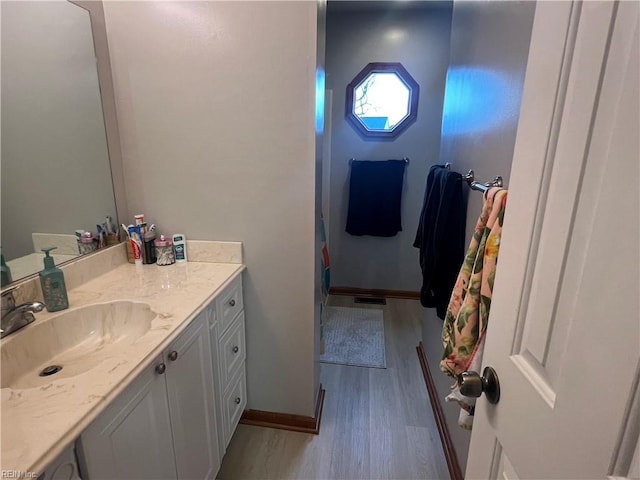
[235, 349]
[232, 302]
[237, 400]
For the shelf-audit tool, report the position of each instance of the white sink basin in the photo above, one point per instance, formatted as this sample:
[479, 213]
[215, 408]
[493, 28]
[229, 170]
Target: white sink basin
[76, 340]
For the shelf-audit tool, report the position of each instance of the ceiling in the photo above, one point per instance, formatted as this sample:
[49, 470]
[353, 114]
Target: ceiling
[383, 5]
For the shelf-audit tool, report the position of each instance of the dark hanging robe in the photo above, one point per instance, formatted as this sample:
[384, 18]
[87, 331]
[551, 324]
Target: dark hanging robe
[441, 237]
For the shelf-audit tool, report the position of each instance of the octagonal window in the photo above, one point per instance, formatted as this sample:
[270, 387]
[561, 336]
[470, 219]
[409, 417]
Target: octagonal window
[382, 100]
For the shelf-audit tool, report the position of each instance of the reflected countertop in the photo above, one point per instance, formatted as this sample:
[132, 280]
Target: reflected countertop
[34, 262]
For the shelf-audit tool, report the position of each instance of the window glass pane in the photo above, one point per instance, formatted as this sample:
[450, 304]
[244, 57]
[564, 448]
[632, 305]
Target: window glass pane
[381, 101]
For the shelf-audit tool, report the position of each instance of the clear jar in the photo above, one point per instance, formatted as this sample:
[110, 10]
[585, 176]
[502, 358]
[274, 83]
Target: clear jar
[87, 244]
[164, 251]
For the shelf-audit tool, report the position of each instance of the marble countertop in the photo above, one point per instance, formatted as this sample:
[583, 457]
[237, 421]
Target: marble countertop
[38, 423]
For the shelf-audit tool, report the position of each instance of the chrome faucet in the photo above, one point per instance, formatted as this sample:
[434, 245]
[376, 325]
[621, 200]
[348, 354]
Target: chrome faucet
[14, 318]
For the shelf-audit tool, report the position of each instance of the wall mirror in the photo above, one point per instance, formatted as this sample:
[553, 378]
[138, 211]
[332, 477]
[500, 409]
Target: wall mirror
[56, 173]
[382, 100]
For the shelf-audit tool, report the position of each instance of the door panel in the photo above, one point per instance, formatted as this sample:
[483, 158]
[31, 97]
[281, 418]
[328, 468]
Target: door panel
[505, 470]
[564, 332]
[191, 402]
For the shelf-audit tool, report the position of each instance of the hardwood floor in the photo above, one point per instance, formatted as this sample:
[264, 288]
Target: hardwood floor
[376, 424]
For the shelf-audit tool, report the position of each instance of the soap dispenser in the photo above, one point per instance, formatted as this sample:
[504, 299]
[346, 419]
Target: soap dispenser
[54, 290]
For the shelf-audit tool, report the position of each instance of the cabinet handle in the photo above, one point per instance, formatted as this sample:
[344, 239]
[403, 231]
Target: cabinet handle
[237, 400]
[232, 302]
[235, 349]
[160, 368]
[173, 355]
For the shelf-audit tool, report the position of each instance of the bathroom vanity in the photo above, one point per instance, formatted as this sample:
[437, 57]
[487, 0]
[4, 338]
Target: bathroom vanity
[179, 414]
[152, 383]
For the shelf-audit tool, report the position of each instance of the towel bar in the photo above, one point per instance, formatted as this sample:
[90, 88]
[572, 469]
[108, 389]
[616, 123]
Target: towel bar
[406, 160]
[470, 178]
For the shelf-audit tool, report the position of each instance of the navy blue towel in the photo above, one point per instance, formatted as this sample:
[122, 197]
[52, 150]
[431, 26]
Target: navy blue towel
[375, 191]
[441, 237]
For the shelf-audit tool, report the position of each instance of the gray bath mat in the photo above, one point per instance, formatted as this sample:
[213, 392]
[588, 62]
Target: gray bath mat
[354, 336]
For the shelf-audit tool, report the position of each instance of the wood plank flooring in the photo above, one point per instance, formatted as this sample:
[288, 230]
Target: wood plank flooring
[376, 424]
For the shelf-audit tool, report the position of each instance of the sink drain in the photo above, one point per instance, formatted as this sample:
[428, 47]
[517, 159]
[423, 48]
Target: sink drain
[50, 370]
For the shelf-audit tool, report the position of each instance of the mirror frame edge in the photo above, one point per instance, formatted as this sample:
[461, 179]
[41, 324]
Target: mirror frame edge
[107, 95]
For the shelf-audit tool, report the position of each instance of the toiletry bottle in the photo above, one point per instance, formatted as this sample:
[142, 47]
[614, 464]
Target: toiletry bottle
[54, 290]
[79, 233]
[180, 247]
[5, 272]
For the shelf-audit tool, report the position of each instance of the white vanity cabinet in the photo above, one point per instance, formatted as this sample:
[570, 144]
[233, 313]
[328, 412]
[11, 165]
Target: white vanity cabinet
[175, 420]
[163, 426]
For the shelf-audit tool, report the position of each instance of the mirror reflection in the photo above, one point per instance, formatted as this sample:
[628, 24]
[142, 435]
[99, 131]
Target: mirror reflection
[56, 176]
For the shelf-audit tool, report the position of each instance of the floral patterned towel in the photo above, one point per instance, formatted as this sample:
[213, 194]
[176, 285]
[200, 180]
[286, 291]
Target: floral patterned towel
[468, 313]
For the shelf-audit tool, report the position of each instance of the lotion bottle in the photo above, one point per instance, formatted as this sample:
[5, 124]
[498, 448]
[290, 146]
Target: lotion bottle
[54, 289]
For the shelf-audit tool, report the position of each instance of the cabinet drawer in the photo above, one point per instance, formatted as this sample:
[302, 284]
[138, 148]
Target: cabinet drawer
[229, 303]
[232, 351]
[235, 400]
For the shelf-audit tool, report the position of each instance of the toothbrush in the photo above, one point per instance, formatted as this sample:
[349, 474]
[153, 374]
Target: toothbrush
[101, 232]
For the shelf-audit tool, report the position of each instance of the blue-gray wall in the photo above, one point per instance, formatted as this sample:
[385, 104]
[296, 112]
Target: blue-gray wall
[489, 49]
[419, 39]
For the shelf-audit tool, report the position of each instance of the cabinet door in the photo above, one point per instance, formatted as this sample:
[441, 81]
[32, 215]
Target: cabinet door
[62, 468]
[132, 438]
[191, 403]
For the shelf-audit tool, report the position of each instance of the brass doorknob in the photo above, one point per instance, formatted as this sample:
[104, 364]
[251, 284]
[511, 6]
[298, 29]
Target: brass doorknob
[473, 385]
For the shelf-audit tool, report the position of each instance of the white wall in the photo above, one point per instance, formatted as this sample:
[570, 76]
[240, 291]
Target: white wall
[419, 39]
[489, 49]
[216, 109]
[56, 176]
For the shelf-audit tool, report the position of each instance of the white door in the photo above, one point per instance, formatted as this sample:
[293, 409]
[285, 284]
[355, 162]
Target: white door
[564, 328]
